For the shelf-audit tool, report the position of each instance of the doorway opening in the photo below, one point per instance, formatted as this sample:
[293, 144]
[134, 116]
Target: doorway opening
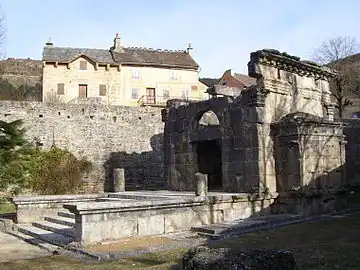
[83, 90]
[210, 162]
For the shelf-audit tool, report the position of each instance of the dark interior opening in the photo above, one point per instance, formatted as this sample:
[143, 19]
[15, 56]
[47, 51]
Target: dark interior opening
[210, 162]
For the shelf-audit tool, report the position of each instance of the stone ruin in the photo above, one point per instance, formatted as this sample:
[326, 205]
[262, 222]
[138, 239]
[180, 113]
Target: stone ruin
[272, 137]
[275, 136]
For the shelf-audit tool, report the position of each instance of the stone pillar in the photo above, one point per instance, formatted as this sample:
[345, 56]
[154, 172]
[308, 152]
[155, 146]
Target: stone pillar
[119, 180]
[201, 184]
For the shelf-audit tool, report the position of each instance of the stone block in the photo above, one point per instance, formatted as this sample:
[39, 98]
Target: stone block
[95, 232]
[151, 225]
[237, 167]
[183, 220]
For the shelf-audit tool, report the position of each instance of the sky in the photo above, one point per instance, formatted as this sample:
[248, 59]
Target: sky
[223, 33]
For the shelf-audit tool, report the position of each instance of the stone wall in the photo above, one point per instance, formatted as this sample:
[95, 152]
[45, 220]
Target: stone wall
[110, 137]
[352, 133]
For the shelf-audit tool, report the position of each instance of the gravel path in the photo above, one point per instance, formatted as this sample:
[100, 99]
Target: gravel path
[13, 248]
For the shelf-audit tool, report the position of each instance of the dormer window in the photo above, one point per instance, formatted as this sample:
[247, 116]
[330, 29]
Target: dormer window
[83, 65]
[135, 74]
[174, 75]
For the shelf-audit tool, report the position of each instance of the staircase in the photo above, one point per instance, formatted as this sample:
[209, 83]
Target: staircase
[51, 233]
[243, 226]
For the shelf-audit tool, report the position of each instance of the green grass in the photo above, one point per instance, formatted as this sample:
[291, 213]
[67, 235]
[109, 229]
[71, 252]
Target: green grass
[6, 208]
[330, 244]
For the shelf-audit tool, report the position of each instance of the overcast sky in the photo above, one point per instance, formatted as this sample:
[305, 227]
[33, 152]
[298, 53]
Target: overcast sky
[222, 32]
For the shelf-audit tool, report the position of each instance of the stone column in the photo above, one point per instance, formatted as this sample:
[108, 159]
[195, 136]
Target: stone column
[119, 180]
[201, 184]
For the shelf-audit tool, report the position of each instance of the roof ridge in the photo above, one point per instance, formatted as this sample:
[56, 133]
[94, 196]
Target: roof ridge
[153, 49]
[124, 47]
[76, 48]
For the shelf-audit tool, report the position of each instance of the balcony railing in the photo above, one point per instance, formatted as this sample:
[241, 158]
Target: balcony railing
[160, 101]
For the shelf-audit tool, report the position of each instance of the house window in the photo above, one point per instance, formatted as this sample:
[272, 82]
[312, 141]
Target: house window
[83, 65]
[185, 94]
[174, 75]
[135, 74]
[166, 94]
[60, 89]
[102, 90]
[135, 93]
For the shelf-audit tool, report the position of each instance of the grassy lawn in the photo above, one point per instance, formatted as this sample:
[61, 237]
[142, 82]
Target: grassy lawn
[6, 208]
[331, 244]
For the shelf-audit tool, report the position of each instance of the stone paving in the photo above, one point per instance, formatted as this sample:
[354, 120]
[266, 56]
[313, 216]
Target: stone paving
[12, 248]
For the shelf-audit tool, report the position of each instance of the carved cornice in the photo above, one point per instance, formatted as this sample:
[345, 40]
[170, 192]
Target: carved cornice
[257, 95]
[288, 63]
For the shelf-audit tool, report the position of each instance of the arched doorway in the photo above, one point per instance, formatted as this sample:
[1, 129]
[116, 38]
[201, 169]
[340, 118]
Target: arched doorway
[209, 149]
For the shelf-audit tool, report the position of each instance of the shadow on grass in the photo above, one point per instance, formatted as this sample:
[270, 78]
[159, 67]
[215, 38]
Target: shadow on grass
[148, 261]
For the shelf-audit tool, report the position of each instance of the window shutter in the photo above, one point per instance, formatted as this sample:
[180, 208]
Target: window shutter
[102, 90]
[60, 89]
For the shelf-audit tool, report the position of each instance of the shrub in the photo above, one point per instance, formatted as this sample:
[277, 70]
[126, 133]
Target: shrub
[14, 156]
[53, 171]
[56, 171]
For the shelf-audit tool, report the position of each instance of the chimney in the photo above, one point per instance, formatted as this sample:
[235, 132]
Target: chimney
[117, 43]
[189, 48]
[49, 43]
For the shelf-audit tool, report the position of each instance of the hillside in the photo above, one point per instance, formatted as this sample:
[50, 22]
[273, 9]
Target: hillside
[20, 79]
[351, 73]
[21, 71]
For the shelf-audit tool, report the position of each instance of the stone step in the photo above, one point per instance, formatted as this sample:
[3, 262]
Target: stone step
[56, 228]
[209, 229]
[46, 236]
[242, 225]
[61, 220]
[112, 199]
[66, 214]
[35, 241]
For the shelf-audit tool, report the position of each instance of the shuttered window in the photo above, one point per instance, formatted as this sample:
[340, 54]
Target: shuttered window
[60, 89]
[83, 65]
[102, 90]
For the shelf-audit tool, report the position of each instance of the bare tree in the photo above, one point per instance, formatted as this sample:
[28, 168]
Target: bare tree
[2, 34]
[335, 49]
[335, 53]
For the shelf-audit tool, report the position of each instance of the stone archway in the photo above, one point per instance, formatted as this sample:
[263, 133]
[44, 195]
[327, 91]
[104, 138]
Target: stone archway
[208, 148]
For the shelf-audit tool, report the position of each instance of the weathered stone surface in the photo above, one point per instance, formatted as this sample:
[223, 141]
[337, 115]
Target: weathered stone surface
[261, 136]
[108, 136]
[170, 212]
[204, 258]
[34, 208]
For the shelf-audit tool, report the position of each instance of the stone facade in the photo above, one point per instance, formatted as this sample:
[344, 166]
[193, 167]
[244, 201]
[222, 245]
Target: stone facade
[109, 136]
[247, 148]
